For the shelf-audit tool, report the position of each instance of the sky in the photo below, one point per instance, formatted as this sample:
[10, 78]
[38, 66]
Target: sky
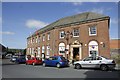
[20, 19]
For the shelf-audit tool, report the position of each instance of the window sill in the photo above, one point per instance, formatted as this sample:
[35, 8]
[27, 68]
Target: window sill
[75, 36]
[62, 38]
[92, 34]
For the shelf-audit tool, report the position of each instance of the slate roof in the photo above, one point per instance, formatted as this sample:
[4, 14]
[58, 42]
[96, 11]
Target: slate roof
[83, 17]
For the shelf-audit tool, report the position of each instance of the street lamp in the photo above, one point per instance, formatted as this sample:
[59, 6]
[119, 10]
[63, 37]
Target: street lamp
[68, 35]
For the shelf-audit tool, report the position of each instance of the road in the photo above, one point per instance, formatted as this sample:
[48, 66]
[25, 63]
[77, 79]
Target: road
[11, 70]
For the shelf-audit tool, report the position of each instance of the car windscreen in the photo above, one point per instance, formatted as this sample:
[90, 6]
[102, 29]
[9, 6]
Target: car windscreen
[105, 57]
[63, 58]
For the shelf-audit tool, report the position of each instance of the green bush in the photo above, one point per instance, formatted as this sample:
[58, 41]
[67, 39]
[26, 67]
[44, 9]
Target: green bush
[116, 58]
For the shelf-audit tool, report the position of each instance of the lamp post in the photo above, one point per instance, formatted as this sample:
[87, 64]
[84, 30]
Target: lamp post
[68, 35]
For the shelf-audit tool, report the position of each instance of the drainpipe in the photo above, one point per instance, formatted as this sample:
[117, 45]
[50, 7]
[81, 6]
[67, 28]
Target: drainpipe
[53, 43]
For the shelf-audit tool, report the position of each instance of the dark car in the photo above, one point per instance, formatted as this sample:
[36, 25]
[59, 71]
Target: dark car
[34, 61]
[18, 59]
[57, 61]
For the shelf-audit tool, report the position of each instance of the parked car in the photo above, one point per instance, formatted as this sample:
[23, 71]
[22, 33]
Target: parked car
[34, 61]
[57, 61]
[97, 62]
[18, 58]
[13, 58]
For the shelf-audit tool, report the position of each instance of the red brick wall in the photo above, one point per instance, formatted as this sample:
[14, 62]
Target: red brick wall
[84, 38]
[114, 44]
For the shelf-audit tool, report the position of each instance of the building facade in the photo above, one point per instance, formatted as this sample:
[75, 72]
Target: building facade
[114, 46]
[81, 35]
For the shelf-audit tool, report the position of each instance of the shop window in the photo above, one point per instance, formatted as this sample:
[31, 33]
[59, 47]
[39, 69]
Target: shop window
[93, 48]
[61, 48]
[48, 50]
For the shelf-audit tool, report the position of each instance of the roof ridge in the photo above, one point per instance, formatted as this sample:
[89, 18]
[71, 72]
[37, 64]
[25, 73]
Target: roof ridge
[81, 17]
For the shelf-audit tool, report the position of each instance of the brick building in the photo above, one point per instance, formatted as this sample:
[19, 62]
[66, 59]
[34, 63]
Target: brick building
[82, 35]
[115, 46]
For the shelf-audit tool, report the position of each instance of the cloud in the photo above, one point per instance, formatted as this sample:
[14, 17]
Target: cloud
[97, 10]
[35, 23]
[77, 3]
[100, 10]
[7, 33]
[114, 21]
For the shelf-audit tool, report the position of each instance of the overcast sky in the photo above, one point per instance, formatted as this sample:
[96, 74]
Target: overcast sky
[20, 19]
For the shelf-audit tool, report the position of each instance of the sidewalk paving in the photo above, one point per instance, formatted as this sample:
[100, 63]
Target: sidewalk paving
[117, 67]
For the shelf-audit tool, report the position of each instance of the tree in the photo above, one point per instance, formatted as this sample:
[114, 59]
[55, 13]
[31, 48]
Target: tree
[24, 52]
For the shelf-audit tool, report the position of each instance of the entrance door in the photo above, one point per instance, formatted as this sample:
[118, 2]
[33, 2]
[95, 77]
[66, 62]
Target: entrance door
[75, 53]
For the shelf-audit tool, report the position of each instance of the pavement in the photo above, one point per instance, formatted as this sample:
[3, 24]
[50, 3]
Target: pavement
[117, 67]
[11, 70]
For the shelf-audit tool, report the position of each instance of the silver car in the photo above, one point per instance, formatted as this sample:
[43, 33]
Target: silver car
[95, 62]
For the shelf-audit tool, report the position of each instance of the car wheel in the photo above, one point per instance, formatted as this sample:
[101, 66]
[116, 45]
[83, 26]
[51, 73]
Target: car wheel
[44, 64]
[77, 66]
[33, 64]
[104, 67]
[58, 65]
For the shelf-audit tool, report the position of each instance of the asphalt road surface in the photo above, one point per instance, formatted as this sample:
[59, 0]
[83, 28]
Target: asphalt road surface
[11, 70]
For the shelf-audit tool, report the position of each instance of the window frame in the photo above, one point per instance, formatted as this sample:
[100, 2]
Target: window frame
[48, 50]
[75, 33]
[43, 37]
[88, 59]
[62, 51]
[90, 31]
[63, 32]
[48, 37]
[39, 49]
[31, 41]
[43, 49]
[36, 38]
[39, 39]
